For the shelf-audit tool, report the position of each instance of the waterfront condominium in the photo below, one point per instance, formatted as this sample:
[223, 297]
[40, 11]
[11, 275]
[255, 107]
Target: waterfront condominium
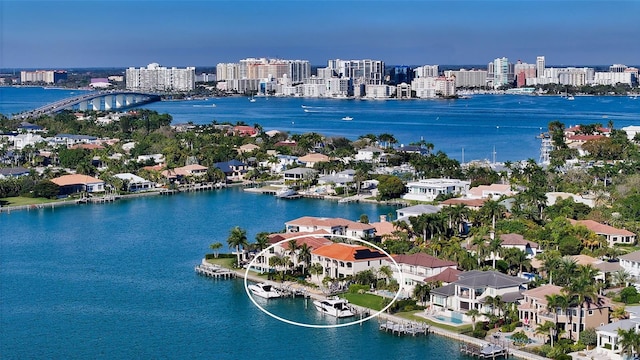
[159, 78]
[45, 76]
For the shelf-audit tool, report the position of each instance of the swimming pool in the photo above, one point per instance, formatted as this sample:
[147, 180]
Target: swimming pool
[448, 320]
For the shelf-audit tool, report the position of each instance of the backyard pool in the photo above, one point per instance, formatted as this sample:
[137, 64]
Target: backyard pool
[450, 320]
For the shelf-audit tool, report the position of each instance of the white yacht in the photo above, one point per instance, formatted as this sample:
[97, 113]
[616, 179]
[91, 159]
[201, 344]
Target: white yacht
[286, 192]
[334, 307]
[347, 118]
[264, 290]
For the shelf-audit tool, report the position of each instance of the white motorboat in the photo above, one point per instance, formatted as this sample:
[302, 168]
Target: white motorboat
[334, 306]
[347, 118]
[286, 192]
[264, 290]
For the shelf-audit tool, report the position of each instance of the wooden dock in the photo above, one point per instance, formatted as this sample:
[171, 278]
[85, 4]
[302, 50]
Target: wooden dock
[409, 328]
[214, 271]
[487, 351]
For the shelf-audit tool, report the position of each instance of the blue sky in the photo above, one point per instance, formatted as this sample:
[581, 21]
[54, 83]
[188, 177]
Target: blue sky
[88, 33]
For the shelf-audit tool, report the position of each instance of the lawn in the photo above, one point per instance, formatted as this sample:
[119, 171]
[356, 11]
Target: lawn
[21, 200]
[367, 300]
[224, 262]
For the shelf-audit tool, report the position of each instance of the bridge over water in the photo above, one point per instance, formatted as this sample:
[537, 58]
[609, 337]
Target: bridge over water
[101, 100]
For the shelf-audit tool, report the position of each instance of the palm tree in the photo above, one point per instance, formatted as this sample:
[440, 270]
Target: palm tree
[215, 247]
[386, 272]
[237, 238]
[619, 313]
[557, 302]
[581, 289]
[262, 240]
[304, 256]
[620, 278]
[495, 248]
[547, 327]
[421, 292]
[292, 248]
[473, 313]
[628, 341]
[316, 269]
[492, 210]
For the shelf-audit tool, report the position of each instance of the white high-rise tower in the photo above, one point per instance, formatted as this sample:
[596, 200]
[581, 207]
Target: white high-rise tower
[540, 66]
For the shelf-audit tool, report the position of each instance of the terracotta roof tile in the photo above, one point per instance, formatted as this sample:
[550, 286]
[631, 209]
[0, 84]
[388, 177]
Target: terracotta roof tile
[347, 252]
[75, 179]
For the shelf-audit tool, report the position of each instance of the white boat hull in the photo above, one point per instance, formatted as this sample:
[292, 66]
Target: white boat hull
[338, 310]
[261, 291]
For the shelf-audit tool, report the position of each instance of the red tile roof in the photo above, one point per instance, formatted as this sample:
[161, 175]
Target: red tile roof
[75, 179]
[312, 241]
[598, 228]
[469, 202]
[517, 240]
[347, 252]
[329, 223]
[449, 275]
[422, 259]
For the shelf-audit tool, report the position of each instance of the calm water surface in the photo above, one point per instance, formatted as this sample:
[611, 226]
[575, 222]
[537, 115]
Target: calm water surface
[117, 281]
[476, 126]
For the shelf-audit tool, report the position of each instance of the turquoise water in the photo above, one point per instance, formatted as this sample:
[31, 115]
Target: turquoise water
[117, 281]
[508, 123]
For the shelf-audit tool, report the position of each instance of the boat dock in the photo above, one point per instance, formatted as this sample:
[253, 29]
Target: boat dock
[487, 351]
[214, 271]
[409, 328]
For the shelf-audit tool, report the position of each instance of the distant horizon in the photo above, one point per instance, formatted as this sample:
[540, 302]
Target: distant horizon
[54, 34]
[4, 71]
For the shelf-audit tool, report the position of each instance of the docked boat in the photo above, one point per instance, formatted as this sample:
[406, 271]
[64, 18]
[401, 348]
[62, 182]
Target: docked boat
[264, 290]
[347, 118]
[286, 192]
[335, 307]
[570, 97]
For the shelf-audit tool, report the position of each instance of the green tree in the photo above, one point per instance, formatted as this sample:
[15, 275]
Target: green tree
[390, 187]
[46, 189]
[237, 239]
[473, 313]
[216, 248]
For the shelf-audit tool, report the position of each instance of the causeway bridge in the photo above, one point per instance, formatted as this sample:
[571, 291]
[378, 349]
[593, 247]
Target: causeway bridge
[99, 100]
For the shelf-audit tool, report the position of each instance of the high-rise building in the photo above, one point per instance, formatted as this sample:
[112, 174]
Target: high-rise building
[523, 71]
[540, 66]
[468, 78]
[43, 76]
[159, 78]
[426, 71]
[502, 72]
[367, 71]
[402, 74]
[618, 68]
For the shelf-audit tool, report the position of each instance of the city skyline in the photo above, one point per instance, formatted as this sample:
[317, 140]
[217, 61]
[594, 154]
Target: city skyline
[59, 34]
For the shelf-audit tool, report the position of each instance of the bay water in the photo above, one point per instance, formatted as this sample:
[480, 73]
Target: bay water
[117, 280]
[483, 127]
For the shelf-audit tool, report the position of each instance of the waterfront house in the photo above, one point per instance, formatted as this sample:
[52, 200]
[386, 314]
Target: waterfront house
[334, 226]
[342, 178]
[493, 191]
[608, 346]
[414, 268]
[13, 172]
[611, 234]
[70, 184]
[29, 127]
[383, 228]
[279, 163]
[371, 154]
[279, 246]
[233, 169]
[533, 310]
[429, 189]
[446, 277]
[135, 183]
[340, 260]
[473, 287]
[405, 213]
[310, 160]
[298, 174]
